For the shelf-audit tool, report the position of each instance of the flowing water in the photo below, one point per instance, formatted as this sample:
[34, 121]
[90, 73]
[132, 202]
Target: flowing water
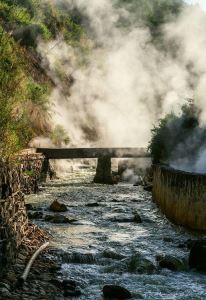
[102, 248]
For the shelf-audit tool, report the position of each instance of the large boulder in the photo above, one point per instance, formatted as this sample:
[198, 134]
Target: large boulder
[56, 206]
[116, 292]
[197, 256]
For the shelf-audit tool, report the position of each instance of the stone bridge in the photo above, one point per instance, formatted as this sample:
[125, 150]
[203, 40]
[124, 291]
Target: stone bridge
[104, 156]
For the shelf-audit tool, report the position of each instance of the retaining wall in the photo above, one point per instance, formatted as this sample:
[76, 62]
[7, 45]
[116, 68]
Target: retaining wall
[181, 196]
[16, 178]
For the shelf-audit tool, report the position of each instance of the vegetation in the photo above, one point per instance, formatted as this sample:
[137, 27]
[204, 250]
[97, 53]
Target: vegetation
[152, 14]
[24, 87]
[59, 136]
[177, 136]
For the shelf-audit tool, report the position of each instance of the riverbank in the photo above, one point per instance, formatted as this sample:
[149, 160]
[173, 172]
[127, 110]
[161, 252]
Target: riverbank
[40, 284]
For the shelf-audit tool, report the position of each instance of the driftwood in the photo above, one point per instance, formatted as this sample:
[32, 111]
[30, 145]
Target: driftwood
[23, 278]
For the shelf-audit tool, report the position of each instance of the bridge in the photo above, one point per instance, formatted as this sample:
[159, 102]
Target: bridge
[104, 156]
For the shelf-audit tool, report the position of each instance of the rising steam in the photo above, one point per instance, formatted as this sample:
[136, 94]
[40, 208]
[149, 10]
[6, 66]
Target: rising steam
[126, 82]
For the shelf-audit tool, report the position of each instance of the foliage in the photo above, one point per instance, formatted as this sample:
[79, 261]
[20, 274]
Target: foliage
[17, 92]
[24, 106]
[174, 130]
[59, 136]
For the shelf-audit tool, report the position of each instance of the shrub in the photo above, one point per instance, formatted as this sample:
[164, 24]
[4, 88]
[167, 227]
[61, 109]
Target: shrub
[172, 134]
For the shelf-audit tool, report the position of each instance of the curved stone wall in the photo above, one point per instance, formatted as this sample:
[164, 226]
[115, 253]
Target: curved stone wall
[181, 196]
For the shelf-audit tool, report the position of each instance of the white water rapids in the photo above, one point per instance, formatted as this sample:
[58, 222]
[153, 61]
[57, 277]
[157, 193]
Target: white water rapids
[95, 236]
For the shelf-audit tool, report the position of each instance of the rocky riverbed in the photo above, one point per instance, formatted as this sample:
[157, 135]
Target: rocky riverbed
[113, 236]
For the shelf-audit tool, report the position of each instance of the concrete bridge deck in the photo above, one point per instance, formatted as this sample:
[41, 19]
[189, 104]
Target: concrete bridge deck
[104, 155]
[74, 153]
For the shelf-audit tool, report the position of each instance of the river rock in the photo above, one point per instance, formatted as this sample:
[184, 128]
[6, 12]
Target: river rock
[70, 293]
[148, 188]
[29, 206]
[140, 264]
[92, 204]
[127, 219]
[116, 292]
[59, 219]
[70, 288]
[112, 254]
[197, 256]
[69, 283]
[172, 263]
[79, 257]
[137, 218]
[56, 206]
[35, 215]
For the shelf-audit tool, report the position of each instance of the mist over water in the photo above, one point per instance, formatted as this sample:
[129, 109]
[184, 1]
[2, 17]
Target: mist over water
[119, 87]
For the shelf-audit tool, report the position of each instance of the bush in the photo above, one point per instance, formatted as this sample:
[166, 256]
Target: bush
[175, 135]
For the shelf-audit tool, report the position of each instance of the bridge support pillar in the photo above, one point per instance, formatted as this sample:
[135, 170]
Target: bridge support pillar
[45, 169]
[104, 171]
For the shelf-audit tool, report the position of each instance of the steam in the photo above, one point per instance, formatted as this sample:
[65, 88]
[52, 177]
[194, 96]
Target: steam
[124, 83]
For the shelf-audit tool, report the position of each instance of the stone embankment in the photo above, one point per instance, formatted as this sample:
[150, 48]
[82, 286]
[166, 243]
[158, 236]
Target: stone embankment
[16, 178]
[181, 196]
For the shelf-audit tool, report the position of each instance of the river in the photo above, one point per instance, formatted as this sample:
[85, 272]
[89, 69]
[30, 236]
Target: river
[103, 249]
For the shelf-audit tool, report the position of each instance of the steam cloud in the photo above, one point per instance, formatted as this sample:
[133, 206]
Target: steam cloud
[127, 83]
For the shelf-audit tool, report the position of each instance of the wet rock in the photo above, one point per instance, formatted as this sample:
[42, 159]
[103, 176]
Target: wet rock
[127, 219]
[148, 188]
[69, 283]
[116, 292]
[92, 204]
[137, 218]
[69, 287]
[167, 239]
[190, 243]
[70, 293]
[197, 256]
[140, 264]
[112, 254]
[29, 206]
[35, 215]
[115, 200]
[59, 219]
[56, 206]
[78, 257]
[172, 263]
[123, 219]
[54, 269]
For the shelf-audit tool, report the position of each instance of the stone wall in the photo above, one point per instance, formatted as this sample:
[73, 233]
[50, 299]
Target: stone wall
[16, 178]
[181, 196]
